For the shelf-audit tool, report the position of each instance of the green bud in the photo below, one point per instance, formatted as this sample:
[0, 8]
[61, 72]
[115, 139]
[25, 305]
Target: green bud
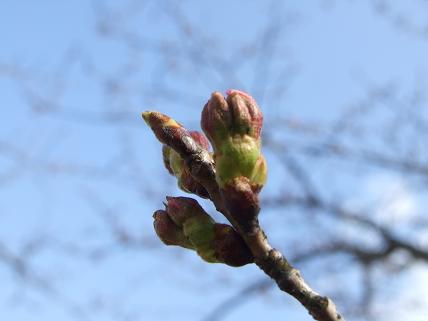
[259, 174]
[236, 157]
[200, 231]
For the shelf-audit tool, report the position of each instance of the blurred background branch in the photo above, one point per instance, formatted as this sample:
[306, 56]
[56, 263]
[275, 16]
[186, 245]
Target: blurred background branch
[342, 86]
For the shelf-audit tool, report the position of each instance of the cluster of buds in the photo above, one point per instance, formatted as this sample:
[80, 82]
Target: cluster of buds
[185, 223]
[233, 127]
[231, 177]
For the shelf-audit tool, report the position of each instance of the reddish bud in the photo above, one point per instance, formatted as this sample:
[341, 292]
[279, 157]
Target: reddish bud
[168, 232]
[242, 201]
[247, 116]
[216, 119]
[180, 209]
[177, 167]
[200, 139]
[171, 133]
[229, 247]
[238, 114]
[163, 126]
[233, 126]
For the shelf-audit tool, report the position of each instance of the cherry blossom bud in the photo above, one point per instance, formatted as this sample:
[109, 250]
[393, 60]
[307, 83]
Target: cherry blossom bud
[229, 246]
[233, 126]
[185, 223]
[200, 139]
[163, 126]
[177, 166]
[180, 209]
[238, 114]
[242, 201]
[168, 232]
[247, 118]
[174, 136]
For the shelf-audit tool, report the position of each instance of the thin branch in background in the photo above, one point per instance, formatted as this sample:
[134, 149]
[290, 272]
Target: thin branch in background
[343, 140]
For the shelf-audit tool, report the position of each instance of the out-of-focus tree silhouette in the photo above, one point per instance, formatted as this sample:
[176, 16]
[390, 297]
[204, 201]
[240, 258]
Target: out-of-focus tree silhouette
[364, 248]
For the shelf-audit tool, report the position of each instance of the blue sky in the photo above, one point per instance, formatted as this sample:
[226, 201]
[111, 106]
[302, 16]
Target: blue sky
[75, 155]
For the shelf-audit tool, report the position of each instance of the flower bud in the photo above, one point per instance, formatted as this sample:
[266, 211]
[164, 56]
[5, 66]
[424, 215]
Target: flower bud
[242, 201]
[163, 126]
[168, 232]
[247, 118]
[196, 224]
[200, 231]
[229, 246]
[177, 167]
[185, 223]
[216, 119]
[238, 114]
[233, 126]
[200, 139]
[180, 209]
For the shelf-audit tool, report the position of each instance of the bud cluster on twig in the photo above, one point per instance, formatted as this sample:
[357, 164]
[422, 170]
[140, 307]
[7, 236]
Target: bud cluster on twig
[231, 176]
[233, 127]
